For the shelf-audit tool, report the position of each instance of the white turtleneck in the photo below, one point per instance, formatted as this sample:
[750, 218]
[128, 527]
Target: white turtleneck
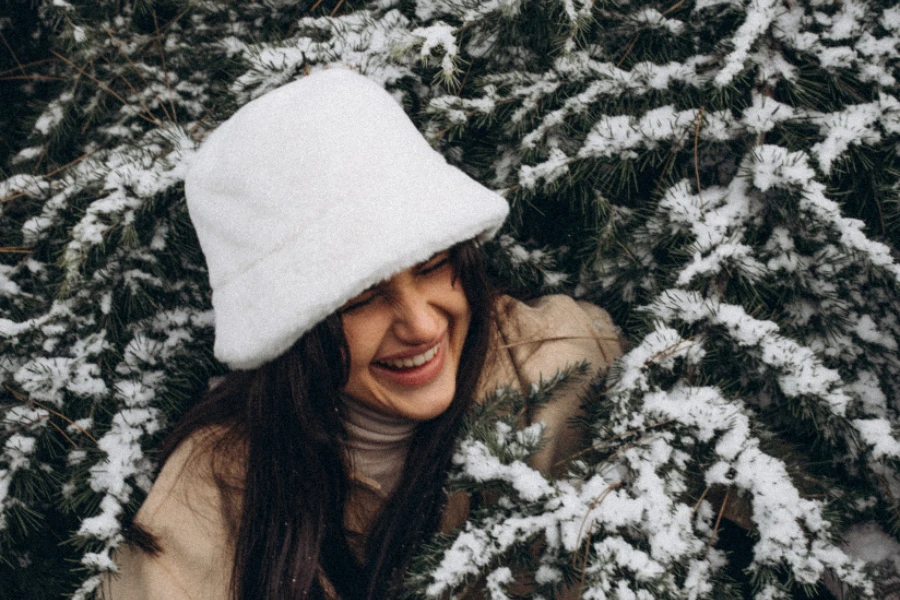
[377, 443]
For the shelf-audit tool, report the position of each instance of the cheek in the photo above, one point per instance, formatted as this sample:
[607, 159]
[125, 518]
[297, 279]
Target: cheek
[362, 342]
[461, 309]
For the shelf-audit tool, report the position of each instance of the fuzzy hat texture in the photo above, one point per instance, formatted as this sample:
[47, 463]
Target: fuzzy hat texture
[312, 193]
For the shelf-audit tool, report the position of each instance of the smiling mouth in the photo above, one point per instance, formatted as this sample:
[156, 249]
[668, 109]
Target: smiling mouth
[410, 362]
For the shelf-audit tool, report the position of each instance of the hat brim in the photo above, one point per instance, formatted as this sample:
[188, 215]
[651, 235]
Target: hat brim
[294, 295]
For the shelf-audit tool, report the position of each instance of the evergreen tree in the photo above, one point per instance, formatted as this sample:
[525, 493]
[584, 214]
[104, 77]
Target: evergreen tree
[722, 175]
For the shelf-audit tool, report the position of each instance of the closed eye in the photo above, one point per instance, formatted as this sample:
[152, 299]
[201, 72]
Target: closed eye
[435, 264]
[359, 301]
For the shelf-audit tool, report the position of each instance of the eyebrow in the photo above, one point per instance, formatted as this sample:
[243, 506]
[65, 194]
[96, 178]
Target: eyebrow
[431, 258]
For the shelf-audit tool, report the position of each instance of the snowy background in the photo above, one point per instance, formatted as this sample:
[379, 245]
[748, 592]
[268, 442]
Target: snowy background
[723, 176]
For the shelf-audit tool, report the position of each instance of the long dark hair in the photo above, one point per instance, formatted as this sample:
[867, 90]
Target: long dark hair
[284, 503]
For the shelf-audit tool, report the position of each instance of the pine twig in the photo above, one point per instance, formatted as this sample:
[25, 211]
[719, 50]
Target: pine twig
[196, 124]
[670, 158]
[70, 163]
[24, 400]
[697, 152]
[462, 84]
[162, 57]
[63, 433]
[670, 350]
[118, 47]
[674, 7]
[12, 197]
[31, 78]
[153, 121]
[886, 485]
[587, 545]
[336, 8]
[584, 451]
[718, 518]
[15, 250]
[628, 50]
[12, 53]
[29, 64]
[702, 496]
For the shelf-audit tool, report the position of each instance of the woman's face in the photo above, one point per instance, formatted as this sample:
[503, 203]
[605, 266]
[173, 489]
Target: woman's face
[406, 337]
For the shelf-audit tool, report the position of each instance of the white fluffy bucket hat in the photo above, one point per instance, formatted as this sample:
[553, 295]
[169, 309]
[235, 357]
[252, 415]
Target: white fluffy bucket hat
[312, 193]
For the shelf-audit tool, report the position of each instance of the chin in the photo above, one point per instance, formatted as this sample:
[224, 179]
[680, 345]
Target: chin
[424, 405]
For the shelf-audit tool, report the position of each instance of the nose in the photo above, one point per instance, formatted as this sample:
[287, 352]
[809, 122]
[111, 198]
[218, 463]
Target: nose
[416, 319]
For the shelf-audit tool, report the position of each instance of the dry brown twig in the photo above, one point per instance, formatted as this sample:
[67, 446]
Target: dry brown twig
[462, 84]
[12, 53]
[70, 163]
[702, 496]
[12, 197]
[31, 78]
[674, 7]
[587, 541]
[718, 518]
[24, 400]
[628, 50]
[670, 350]
[583, 451]
[336, 8]
[21, 67]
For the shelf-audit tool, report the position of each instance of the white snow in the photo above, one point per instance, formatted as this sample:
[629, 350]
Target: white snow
[759, 17]
[868, 330]
[879, 434]
[855, 125]
[765, 113]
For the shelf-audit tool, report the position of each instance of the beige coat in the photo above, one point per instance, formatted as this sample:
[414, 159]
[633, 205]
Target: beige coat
[184, 511]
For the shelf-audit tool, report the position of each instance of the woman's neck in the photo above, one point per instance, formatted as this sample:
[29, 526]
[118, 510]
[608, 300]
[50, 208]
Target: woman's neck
[377, 443]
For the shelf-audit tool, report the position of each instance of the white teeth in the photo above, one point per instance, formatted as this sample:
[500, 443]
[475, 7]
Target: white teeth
[413, 361]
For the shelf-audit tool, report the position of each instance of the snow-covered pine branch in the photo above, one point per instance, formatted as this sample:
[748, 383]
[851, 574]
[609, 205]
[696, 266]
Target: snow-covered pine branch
[721, 175]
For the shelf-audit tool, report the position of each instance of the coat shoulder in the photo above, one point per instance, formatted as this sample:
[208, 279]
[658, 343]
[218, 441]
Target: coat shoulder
[185, 515]
[547, 334]
[535, 341]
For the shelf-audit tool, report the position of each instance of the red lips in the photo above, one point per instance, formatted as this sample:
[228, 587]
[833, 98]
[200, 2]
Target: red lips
[414, 376]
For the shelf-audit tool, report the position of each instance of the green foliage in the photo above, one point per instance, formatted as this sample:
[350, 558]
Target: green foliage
[694, 167]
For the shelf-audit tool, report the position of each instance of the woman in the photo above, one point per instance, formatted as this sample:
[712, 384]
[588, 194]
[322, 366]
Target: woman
[351, 303]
